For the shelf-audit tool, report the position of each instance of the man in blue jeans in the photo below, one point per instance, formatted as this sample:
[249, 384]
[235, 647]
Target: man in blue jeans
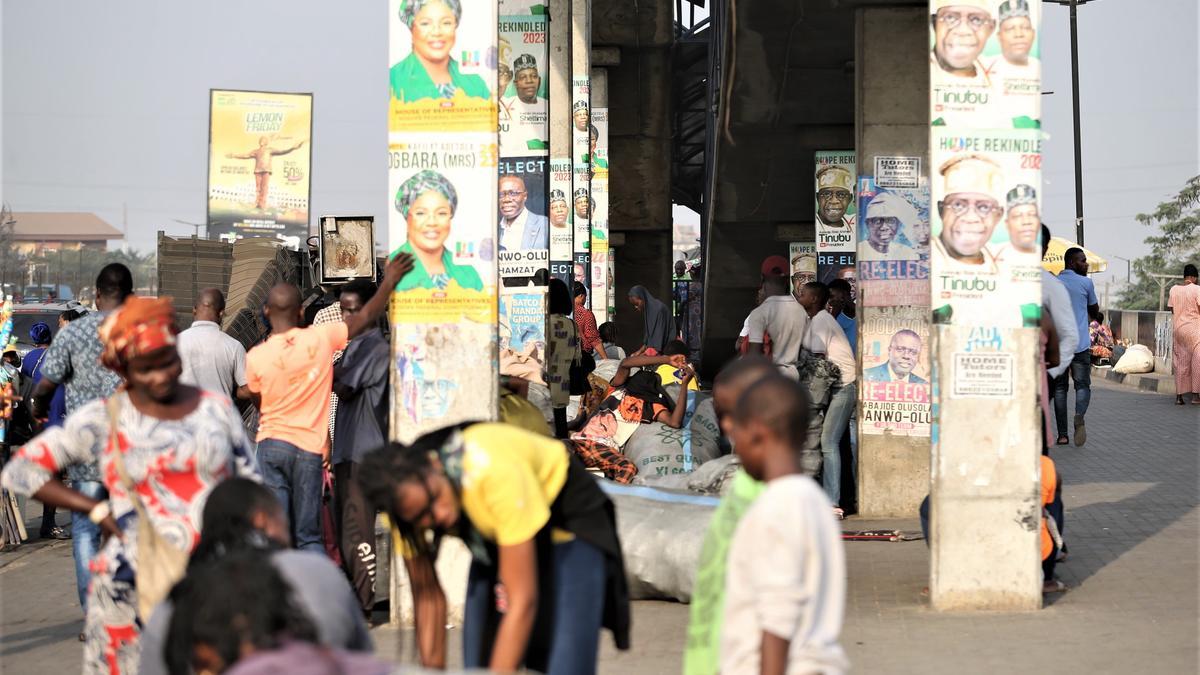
[824, 337]
[73, 359]
[1085, 306]
[290, 377]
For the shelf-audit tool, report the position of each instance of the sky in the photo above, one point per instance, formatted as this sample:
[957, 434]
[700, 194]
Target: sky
[105, 106]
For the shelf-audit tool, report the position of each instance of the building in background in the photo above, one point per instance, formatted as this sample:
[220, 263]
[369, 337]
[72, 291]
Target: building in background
[61, 231]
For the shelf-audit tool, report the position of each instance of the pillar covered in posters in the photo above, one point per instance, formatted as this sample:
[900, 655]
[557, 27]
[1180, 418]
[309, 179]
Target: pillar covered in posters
[985, 179]
[835, 216]
[598, 156]
[442, 177]
[523, 233]
[560, 200]
[581, 117]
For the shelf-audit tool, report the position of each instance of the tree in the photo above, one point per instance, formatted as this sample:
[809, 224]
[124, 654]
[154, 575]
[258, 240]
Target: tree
[1178, 243]
[10, 259]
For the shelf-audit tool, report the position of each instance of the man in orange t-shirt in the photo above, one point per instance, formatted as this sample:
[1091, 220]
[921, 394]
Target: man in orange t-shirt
[290, 377]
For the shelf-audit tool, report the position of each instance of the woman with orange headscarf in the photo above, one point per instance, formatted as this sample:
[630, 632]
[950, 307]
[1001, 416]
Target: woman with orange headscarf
[161, 447]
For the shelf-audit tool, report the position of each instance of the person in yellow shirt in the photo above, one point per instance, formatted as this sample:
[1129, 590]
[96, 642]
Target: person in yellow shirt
[542, 536]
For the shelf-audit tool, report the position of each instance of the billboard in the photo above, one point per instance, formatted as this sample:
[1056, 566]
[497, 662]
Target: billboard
[259, 165]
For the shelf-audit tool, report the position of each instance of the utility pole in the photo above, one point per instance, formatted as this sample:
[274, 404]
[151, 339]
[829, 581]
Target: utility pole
[1074, 4]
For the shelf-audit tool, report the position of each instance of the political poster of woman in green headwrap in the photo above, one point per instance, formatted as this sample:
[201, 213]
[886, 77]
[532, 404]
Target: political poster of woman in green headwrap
[443, 73]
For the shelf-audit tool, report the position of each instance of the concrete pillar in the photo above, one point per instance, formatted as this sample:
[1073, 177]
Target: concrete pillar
[985, 505]
[891, 119]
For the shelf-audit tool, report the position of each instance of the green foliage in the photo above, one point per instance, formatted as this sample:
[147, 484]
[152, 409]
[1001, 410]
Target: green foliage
[1178, 243]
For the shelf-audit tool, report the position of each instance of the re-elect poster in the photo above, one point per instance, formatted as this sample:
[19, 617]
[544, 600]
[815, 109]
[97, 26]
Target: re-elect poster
[986, 225]
[523, 85]
[894, 394]
[835, 215]
[985, 64]
[893, 245]
[259, 165]
[523, 234]
[442, 75]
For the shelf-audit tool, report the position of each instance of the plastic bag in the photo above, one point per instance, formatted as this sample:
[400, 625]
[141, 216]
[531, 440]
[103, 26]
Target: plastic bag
[1136, 359]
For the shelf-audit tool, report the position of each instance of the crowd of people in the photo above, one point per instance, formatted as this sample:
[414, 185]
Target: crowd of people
[200, 549]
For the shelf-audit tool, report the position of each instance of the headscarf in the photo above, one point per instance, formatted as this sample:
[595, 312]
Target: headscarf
[410, 8]
[658, 327]
[140, 326]
[419, 184]
[39, 333]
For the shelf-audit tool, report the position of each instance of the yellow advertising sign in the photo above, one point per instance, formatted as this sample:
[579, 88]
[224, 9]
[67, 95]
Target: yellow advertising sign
[259, 165]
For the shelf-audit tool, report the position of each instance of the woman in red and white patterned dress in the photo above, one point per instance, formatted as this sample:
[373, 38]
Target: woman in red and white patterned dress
[177, 443]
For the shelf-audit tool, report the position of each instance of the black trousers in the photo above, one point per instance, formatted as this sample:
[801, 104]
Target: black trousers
[356, 532]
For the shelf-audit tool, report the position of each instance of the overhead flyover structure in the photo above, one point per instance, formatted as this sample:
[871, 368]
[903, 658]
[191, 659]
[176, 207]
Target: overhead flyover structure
[798, 77]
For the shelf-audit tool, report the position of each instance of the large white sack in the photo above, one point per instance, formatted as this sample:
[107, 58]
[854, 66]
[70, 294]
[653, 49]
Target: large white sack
[661, 536]
[705, 431]
[658, 450]
[1137, 359]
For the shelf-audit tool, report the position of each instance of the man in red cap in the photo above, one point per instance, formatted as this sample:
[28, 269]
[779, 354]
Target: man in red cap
[772, 266]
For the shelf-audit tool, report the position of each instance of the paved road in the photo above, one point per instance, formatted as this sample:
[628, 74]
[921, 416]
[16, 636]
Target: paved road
[1132, 524]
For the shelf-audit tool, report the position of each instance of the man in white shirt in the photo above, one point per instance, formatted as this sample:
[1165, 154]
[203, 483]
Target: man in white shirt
[783, 319]
[825, 337]
[785, 585]
[211, 359]
[520, 229]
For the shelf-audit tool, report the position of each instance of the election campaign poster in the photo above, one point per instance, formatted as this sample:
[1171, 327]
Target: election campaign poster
[893, 245]
[443, 312]
[803, 263]
[523, 331]
[443, 59]
[894, 395]
[259, 165]
[598, 154]
[583, 204]
[832, 266]
[612, 287]
[523, 238]
[561, 209]
[835, 213]
[523, 85]
[985, 64]
[985, 248]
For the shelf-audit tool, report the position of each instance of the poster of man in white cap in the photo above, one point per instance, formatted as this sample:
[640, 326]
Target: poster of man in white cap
[893, 245]
[976, 171]
[834, 181]
[524, 108]
[886, 225]
[1017, 72]
[965, 91]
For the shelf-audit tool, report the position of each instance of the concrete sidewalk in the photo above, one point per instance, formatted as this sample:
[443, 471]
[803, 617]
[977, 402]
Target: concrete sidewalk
[1132, 523]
